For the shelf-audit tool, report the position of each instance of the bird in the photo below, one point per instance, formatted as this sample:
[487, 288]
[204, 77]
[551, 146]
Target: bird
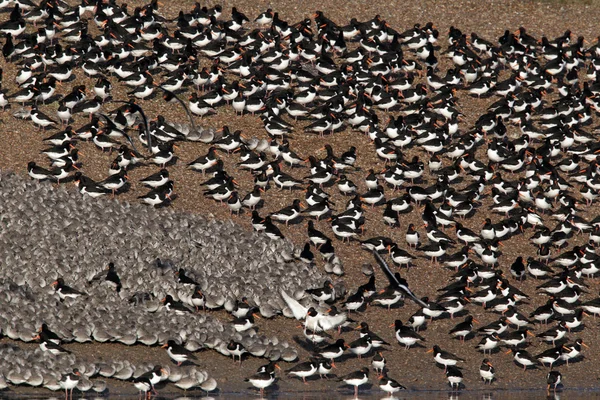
[333, 351]
[488, 343]
[177, 307]
[146, 381]
[443, 357]
[573, 350]
[64, 291]
[178, 353]
[523, 358]
[377, 341]
[41, 119]
[143, 384]
[49, 334]
[394, 281]
[361, 346]
[356, 379]
[355, 301]
[405, 335]
[378, 362]
[46, 344]
[389, 385]
[464, 328]
[184, 279]
[157, 179]
[236, 350]
[325, 368]
[38, 173]
[323, 294]
[263, 379]
[517, 268]
[454, 376]
[487, 371]
[242, 324]
[304, 370]
[550, 356]
[554, 380]
[69, 382]
[109, 276]
[198, 298]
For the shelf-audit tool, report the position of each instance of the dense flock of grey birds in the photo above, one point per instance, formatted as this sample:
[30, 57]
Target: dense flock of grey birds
[532, 153]
[49, 234]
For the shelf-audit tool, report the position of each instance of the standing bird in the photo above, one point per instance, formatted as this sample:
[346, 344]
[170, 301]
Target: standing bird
[553, 379]
[146, 382]
[236, 349]
[41, 119]
[333, 351]
[178, 353]
[142, 384]
[375, 339]
[69, 382]
[157, 179]
[110, 276]
[523, 358]
[488, 343]
[356, 379]
[487, 371]
[517, 269]
[304, 370]
[264, 378]
[463, 329]
[378, 362]
[405, 335]
[454, 376]
[389, 385]
[361, 346]
[443, 357]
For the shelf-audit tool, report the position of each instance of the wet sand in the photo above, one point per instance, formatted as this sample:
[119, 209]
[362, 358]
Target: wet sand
[21, 142]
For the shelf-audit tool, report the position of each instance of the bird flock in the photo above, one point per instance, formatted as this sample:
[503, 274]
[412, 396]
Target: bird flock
[526, 168]
[80, 271]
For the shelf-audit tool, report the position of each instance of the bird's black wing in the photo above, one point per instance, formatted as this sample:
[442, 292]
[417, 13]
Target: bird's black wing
[169, 96]
[393, 281]
[111, 123]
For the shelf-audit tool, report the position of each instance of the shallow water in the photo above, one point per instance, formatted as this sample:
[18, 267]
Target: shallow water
[427, 395]
[420, 395]
[408, 395]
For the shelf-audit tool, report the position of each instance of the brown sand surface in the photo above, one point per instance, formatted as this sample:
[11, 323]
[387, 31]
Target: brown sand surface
[21, 142]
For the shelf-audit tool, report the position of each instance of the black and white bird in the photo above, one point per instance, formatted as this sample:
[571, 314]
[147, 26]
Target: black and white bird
[554, 380]
[487, 371]
[146, 382]
[394, 281]
[389, 385]
[304, 370]
[444, 358]
[69, 382]
[263, 379]
[454, 376]
[65, 291]
[178, 353]
[356, 379]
